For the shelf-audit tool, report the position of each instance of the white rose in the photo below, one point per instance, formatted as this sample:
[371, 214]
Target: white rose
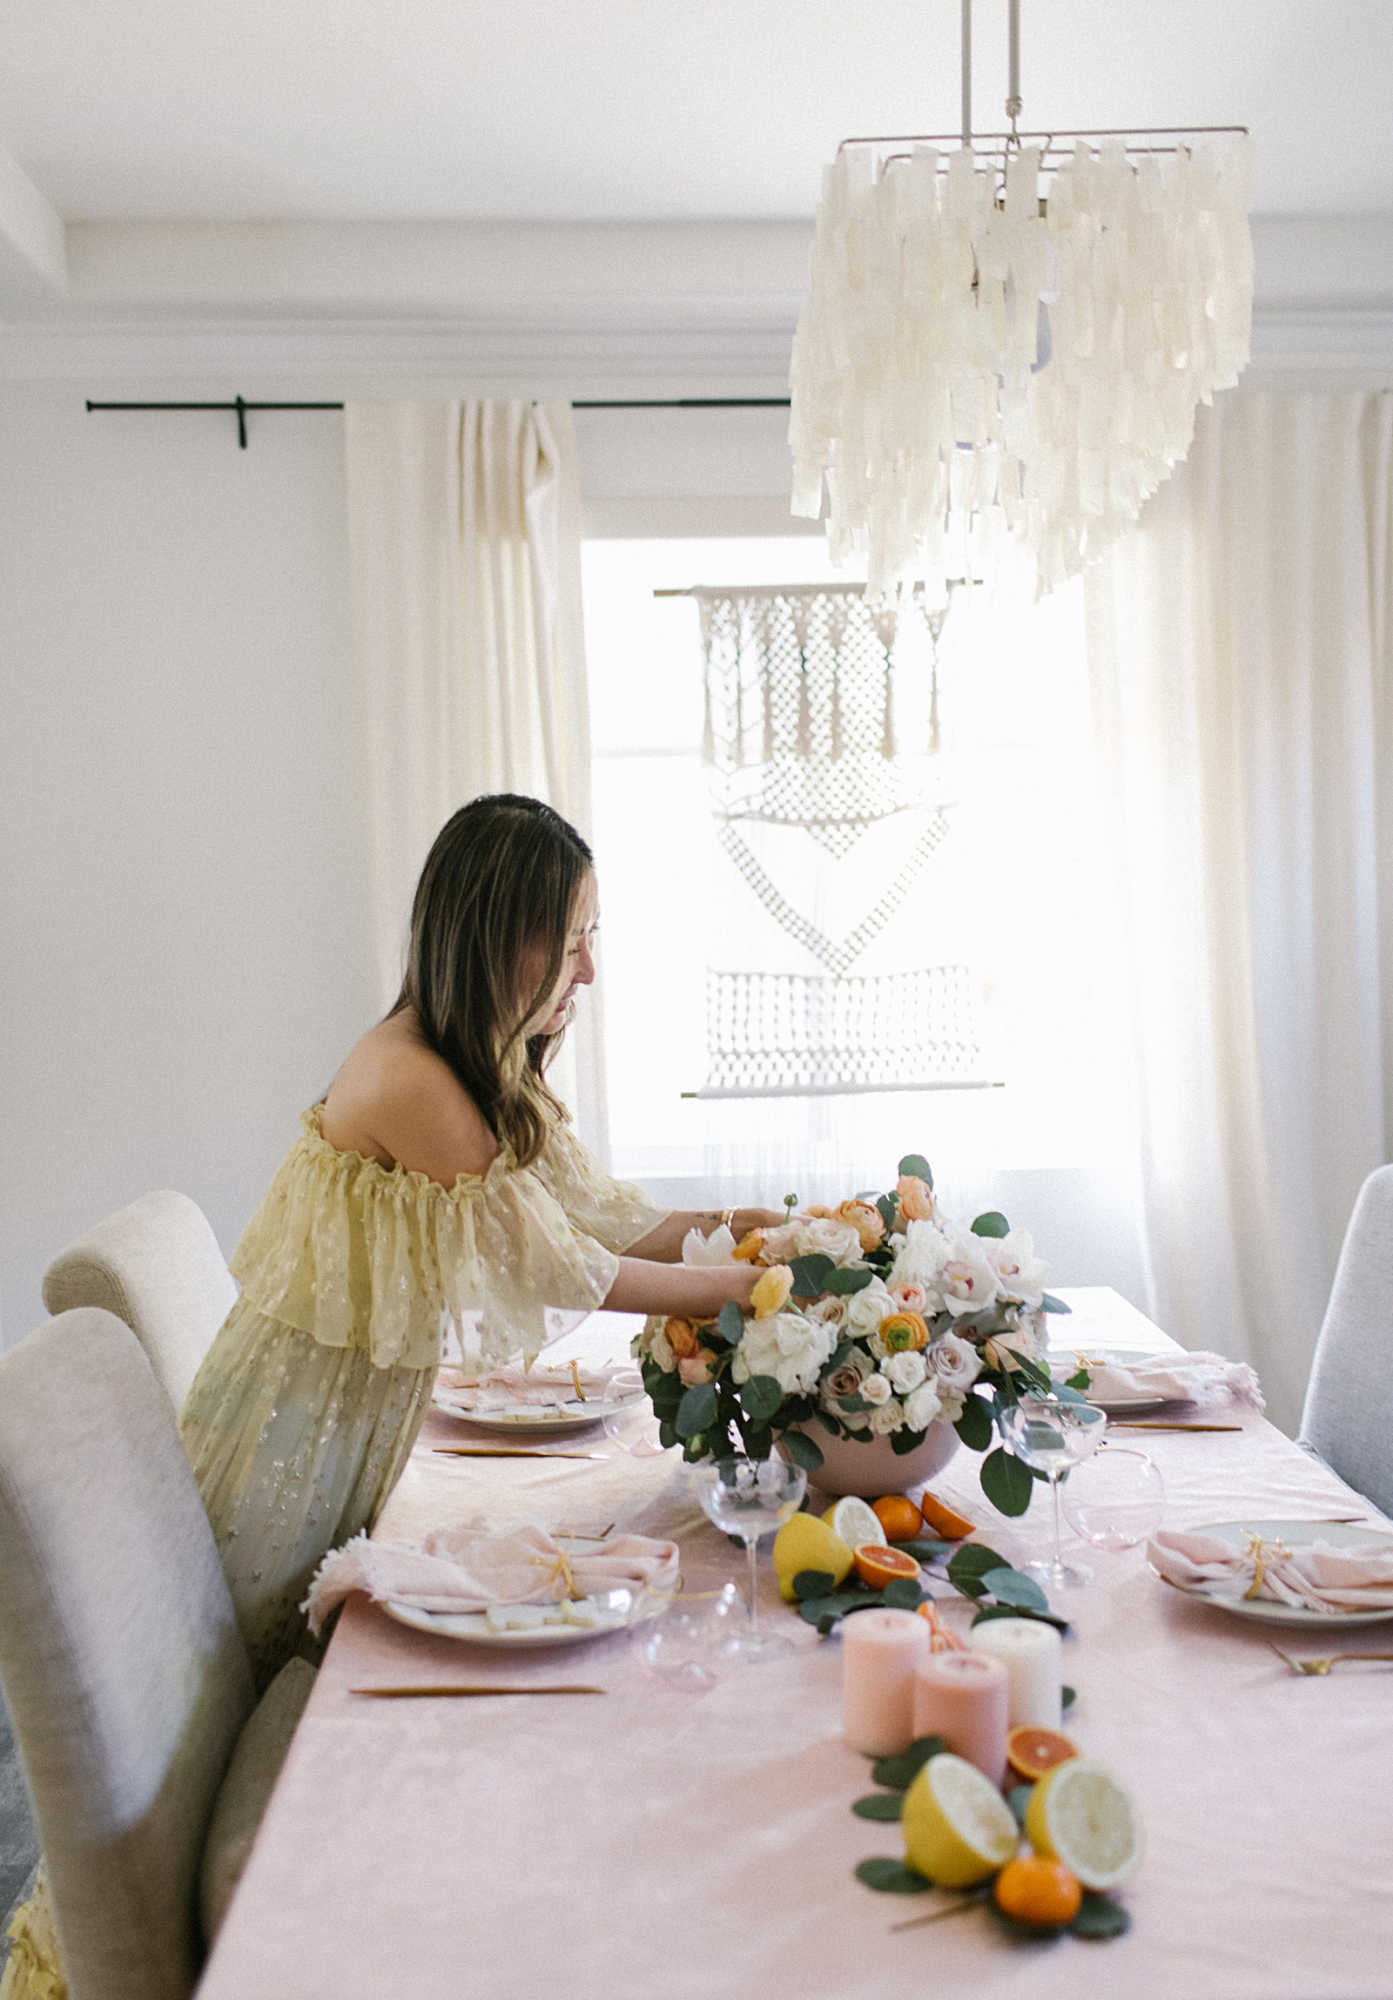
[951, 1403]
[811, 1236]
[875, 1389]
[887, 1417]
[907, 1370]
[1021, 1273]
[922, 1407]
[954, 1361]
[855, 1420]
[787, 1346]
[717, 1248]
[967, 1282]
[867, 1308]
[831, 1311]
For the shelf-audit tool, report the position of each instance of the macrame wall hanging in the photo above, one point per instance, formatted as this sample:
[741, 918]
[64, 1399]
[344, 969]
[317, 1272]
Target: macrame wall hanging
[802, 733]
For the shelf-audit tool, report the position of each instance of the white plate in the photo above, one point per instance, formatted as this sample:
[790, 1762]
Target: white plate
[474, 1626]
[1132, 1406]
[570, 1417]
[1296, 1534]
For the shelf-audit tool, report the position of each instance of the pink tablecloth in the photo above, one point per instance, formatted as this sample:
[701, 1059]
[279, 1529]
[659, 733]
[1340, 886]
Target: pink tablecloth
[649, 1845]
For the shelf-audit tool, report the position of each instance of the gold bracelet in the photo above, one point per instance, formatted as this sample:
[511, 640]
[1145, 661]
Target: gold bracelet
[727, 1217]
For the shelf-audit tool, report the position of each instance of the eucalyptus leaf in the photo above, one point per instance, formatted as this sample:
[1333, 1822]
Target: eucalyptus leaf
[813, 1583]
[918, 1166]
[926, 1552]
[810, 1275]
[1099, 1917]
[852, 1403]
[904, 1441]
[879, 1805]
[731, 1322]
[697, 1410]
[900, 1771]
[1068, 1696]
[902, 1593]
[991, 1223]
[989, 1611]
[1050, 1304]
[760, 1397]
[1005, 1481]
[1068, 1393]
[889, 1206]
[974, 1426]
[894, 1877]
[974, 1559]
[802, 1450]
[667, 1434]
[1009, 1586]
[841, 1284]
[1083, 1380]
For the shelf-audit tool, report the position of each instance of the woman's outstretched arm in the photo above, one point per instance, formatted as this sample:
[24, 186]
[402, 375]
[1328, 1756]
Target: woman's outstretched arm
[663, 1245]
[696, 1291]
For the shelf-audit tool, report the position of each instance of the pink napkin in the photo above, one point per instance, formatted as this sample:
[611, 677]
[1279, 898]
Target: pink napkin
[549, 1385]
[1315, 1577]
[1188, 1378]
[469, 1567]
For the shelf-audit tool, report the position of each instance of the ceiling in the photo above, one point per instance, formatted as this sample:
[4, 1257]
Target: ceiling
[318, 110]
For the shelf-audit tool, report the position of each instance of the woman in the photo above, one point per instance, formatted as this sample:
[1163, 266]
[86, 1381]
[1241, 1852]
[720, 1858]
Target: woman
[438, 1178]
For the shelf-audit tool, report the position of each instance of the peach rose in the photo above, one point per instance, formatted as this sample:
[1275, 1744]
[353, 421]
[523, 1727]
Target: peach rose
[771, 1289]
[817, 1209]
[696, 1368]
[902, 1332]
[865, 1220]
[681, 1337]
[916, 1199]
[909, 1298]
[748, 1248]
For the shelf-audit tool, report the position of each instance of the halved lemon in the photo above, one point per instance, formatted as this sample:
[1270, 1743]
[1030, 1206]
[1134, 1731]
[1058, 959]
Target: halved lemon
[877, 1564]
[957, 1827]
[1080, 1813]
[1033, 1751]
[854, 1521]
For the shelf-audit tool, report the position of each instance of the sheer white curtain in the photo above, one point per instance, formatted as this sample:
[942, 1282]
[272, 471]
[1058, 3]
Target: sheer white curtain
[464, 548]
[1240, 663]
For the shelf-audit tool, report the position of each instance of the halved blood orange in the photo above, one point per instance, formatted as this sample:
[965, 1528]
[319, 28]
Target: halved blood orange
[878, 1565]
[953, 1527]
[1031, 1751]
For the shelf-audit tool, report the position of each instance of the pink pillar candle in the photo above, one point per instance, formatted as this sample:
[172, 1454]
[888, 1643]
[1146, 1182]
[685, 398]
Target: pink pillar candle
[963, 1698]
[880, 1651]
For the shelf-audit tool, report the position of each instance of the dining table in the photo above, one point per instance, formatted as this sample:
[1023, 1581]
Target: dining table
[651, 1844]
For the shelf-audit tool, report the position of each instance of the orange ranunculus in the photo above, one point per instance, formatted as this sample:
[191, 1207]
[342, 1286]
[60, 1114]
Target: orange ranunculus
[902, 1331]
[681, 1337]
[748, 1248]
[916, 1199]
[771, 1290]
[868, 1222]
[696, 1368]
[817, 1209]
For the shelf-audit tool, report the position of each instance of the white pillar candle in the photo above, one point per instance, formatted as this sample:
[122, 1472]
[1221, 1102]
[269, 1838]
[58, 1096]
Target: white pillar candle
[880, 1651]
[1032, 1656]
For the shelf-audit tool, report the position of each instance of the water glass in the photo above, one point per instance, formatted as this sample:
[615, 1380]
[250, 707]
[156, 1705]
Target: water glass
[752, 1497]
[1052, 1435]
[1117, 1499]
[690, 1641]
[628, 1415]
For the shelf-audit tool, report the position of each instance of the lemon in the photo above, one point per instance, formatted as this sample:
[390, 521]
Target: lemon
[957, 1827]
[1084, 1816]
[855, 1521]
[807, 1543]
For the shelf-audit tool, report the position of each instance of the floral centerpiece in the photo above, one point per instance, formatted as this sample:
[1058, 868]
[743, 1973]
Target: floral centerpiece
[878, 1318]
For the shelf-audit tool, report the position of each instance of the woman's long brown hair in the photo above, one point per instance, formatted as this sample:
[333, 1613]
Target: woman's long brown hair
[502, 880]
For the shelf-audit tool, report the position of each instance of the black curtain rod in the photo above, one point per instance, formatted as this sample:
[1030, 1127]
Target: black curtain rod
[242, 406]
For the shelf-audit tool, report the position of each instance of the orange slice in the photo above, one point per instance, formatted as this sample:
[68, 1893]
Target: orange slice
[899, 1517]
[953, 1527]
[1036, 1891]
[1031, 1751]
[877, 1566]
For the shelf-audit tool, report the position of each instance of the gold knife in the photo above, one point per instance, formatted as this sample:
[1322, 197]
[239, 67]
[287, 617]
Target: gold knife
[1122, 1424]
[508, 1451]
[406, 1693]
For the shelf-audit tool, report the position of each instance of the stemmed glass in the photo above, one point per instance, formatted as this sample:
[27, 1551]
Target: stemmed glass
[1117, 1499]
[1051, 1435]
[751, 1497]
[628, 1415]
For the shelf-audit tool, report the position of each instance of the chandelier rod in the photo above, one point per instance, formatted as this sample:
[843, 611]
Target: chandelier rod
[1014, 106]
[967, 72]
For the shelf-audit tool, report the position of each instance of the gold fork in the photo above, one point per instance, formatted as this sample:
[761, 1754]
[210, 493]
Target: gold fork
[1323, 1666]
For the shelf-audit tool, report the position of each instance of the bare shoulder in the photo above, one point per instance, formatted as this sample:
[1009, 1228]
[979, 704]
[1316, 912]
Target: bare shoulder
[399, 1103]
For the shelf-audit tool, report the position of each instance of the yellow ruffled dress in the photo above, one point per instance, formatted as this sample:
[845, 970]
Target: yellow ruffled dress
[307, 1405]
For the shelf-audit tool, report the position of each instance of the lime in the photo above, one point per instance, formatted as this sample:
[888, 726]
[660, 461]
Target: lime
[807, 1543]
[855, 1521]
[957, 1827]
[1083, 1815]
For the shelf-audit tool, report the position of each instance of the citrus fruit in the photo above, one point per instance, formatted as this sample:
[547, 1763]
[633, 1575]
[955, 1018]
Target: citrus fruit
[1033, 1751]
[898, 1516]
[957, 1827]
[943, 1520]
[854, 1521]
[1082, 1815]
[807, 1543]
[1035, 1890]
[878, 1565]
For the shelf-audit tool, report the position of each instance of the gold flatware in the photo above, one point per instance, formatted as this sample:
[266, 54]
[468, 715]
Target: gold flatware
[408, 1693]
[1323, 1666]
[1136, 1424]
[508, 1451]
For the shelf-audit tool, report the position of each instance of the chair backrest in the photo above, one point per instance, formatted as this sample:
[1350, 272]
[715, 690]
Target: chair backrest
[1349, 1398]
[126, 1676]
[155, 1264]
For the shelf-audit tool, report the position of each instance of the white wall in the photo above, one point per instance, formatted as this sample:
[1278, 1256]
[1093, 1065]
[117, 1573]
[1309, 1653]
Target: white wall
[183, 901]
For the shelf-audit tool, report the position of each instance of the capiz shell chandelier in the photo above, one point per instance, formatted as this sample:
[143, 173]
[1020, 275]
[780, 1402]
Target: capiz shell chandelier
[1003, 346]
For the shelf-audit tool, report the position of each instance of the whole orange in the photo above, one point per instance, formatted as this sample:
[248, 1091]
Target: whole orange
[899, 1517]
[1040, 1892]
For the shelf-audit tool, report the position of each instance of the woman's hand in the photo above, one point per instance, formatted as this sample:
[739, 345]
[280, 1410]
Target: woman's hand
[695, 1291]
[663, 1245]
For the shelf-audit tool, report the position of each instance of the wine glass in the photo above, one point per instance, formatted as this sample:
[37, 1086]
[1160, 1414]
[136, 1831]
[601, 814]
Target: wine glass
[1052, 1435]
[628, 1415]
[689, 1641]
[750, 1497]
[1117, 1499]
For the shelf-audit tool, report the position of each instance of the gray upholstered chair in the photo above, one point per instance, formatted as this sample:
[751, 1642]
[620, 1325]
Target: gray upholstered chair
[1348, 1417]
[125, 1673]
[155, 1264]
